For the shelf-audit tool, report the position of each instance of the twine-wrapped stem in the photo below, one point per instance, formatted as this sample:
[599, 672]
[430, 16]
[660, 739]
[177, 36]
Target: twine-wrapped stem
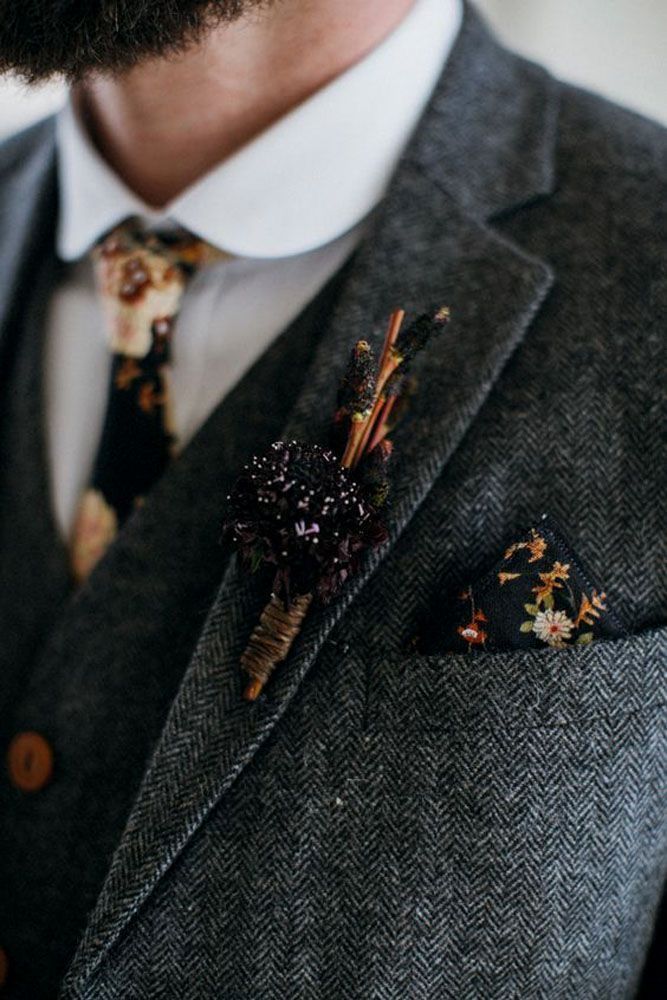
[272, 640]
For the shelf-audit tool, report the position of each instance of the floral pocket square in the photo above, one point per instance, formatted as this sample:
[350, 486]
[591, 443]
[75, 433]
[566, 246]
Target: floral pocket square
[538, 595]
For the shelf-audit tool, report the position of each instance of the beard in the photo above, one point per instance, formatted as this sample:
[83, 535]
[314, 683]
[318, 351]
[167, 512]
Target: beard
[73, 38]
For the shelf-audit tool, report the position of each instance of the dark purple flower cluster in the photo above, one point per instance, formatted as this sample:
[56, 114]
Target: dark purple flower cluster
[296, 508]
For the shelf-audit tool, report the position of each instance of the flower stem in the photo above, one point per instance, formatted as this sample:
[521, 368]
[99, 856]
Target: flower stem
[354, 437]
[272, 640]
[381, 428]
[395, 323]
[361, 433]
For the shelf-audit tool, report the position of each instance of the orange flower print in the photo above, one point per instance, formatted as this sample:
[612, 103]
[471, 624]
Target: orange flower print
[536, 545]
[590, 609]
[473, 634]
[553, 627]
[94, 528]
[553, 580]
[504, 578]
[149, 398]
[126, 374]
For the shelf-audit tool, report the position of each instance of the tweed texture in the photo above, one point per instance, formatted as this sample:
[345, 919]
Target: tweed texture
[384, 824]
[95, 670]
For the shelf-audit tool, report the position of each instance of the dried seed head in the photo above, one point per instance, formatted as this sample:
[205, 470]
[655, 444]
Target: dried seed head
[357, 389]
[416, 336]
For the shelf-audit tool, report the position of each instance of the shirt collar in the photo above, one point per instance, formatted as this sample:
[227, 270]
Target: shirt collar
[303, 182]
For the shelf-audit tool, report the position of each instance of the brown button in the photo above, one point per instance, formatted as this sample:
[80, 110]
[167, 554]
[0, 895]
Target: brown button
[30, 762]
[3, 966]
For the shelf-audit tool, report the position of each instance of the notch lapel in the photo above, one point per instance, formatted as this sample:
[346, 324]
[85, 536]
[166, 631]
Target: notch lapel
[430, 244]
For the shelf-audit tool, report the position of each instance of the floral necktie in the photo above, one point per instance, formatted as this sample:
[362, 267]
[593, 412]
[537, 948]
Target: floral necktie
[141, 279]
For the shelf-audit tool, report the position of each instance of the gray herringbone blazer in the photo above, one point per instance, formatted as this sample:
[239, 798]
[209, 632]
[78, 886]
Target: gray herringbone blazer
[385, 824]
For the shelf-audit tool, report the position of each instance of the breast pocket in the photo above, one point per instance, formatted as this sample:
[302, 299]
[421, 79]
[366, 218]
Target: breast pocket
[526, 688]
[526, 798]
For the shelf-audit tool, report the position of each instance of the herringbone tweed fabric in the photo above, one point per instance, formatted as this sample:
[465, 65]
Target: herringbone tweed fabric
[393, 826]
[95, 669]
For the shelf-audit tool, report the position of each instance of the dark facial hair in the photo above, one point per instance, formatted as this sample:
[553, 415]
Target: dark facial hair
[72, 38]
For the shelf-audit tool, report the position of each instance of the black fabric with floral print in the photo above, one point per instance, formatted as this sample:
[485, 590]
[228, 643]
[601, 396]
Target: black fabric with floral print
[537, 595]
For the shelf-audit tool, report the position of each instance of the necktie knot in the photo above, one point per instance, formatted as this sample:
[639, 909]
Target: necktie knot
[141, 278]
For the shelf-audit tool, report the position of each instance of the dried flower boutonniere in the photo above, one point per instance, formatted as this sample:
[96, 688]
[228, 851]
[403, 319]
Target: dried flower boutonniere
[310, 512]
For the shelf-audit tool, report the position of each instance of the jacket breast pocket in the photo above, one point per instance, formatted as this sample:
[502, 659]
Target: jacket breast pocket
[526, 798]
[527, 688]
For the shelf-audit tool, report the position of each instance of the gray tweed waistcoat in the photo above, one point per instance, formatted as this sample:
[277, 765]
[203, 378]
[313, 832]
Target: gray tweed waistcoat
[381, 823]
[157, 598]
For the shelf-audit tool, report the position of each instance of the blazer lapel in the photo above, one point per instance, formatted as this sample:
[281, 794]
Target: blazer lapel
[430, 244]
[28, 209]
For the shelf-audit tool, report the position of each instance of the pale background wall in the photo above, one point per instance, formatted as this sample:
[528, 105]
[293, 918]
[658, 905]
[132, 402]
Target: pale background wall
[617, 47]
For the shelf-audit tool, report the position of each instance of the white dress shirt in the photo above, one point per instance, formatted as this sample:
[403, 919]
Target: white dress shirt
[290, 206]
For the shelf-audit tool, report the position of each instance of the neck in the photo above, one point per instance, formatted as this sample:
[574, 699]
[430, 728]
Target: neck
[166, 122]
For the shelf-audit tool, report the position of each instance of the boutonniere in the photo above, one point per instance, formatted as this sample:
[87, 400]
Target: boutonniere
[310, 511]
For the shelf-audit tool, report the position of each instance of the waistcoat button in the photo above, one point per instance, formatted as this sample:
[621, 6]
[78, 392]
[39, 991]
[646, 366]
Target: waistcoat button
[29, 761]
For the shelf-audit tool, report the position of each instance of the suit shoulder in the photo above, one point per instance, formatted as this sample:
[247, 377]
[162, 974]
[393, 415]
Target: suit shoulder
[611, 152]
[17, 149]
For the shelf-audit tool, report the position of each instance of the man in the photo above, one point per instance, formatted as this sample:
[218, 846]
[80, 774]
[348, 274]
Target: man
[234, 194]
